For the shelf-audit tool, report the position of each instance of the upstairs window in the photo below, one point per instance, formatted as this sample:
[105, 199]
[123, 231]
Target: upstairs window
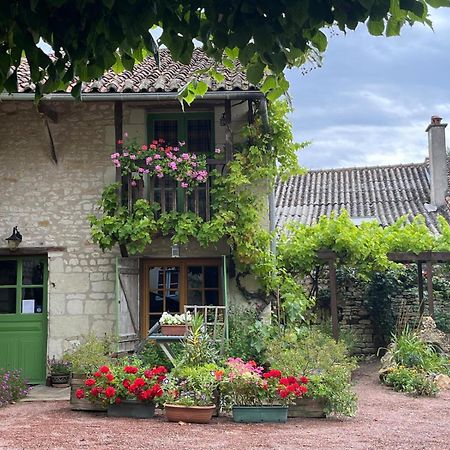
[196, 130]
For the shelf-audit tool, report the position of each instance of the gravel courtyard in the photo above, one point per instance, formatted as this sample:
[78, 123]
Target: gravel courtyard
[385, 420]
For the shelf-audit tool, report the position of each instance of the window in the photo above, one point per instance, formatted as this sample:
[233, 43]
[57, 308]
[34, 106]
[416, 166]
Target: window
[168, 285]
[22, 285]
[197, 131]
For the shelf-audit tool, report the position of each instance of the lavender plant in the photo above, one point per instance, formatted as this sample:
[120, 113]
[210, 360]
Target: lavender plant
[13, 386]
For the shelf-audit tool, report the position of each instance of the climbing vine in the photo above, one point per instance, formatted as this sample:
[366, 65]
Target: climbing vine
[237, 206]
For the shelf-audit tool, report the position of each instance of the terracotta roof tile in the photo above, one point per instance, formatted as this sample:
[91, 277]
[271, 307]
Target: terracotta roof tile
[170, 76]
[384, 193]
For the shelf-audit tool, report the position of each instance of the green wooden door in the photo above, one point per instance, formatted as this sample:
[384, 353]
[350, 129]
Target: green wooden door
[23, 315]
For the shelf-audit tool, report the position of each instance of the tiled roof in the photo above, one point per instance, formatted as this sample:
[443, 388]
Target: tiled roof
[148, 77]
[384, 193]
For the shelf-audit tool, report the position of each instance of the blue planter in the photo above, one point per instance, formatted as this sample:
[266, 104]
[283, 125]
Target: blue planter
[256, 414]
[132, 408]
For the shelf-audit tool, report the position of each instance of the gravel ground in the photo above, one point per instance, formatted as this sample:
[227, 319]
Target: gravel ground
[385, 420]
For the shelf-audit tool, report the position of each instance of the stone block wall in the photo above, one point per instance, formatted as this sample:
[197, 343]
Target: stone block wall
[50, 202]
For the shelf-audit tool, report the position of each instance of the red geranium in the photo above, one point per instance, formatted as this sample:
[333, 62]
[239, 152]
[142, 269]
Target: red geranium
[104, 369]
[89, 382]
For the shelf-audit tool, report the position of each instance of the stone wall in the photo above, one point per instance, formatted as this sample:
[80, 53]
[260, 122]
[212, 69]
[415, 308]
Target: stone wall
[50, 202]
[358, 321]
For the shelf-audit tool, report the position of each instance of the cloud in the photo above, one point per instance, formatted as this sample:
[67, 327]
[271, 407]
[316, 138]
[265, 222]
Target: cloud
[371, 101]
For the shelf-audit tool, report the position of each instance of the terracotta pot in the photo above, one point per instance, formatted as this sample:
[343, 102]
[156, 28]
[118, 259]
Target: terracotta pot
[190, 414]
[174, 330]
[81, 404]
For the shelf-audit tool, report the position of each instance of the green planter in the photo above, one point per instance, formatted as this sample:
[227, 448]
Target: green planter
[132, 408]
[256, 414]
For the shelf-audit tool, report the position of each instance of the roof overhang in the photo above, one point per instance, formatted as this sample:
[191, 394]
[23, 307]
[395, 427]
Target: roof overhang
[133, 96]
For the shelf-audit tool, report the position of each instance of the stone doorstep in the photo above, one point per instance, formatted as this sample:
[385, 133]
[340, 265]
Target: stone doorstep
[41, 393]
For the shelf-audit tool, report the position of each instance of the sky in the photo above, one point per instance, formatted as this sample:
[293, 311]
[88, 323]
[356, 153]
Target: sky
[372, 99]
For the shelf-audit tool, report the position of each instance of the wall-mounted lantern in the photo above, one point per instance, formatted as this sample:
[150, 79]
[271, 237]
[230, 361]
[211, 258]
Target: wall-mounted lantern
[14, 240]
[175, 251]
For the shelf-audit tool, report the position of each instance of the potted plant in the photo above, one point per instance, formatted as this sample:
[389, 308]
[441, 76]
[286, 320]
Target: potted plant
[175, 324]
[190, 393]
[126, 390]
[256, 395]
[59, 370]
[85, 358]
[327, 365]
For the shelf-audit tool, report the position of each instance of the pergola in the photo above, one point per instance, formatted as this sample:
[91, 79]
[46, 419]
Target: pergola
[428, 258]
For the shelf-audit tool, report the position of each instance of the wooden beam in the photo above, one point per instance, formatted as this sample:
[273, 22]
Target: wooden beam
[30, 251]
[423, 257]
[420, 285]
[430, 288]
[228, 132]
[333, 302]
[118, 137]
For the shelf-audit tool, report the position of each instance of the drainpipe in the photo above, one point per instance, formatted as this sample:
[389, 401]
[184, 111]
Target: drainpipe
[270, 195]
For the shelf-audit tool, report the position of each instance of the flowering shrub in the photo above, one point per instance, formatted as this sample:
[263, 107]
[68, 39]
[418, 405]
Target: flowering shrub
[192, 386]
[59, 366]
[175, 319]
[159, 159]
[130, 382]
[13, 386]
[247, 384]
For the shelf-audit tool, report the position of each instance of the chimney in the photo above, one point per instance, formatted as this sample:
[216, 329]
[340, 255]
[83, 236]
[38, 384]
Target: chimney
[438, 161]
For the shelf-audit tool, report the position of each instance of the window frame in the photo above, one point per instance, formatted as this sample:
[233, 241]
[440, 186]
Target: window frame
[181, 198]
[20, 286]
[183, 264]
[182, 119]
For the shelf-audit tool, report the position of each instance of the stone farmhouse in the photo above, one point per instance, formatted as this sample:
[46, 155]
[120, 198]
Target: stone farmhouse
[54, 162]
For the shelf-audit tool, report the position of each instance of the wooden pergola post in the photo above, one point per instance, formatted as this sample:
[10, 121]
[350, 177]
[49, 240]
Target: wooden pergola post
[420, 286]
[333, 303]
[429, 267]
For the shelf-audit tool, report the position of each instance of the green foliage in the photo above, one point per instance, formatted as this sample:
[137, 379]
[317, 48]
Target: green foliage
[365, 247]
[411, 381]
[248, 334]
[192, 385]
[442, 320]
[153, 356]
[265, 37]
[381, 289]
[13, 386]
[59, 366]
[90, 353]
[325, 362]
[410, 351]
[415, 363]
[197, 348]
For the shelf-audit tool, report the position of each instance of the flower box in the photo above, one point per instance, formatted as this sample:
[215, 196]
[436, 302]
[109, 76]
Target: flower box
[132, 408]
[81, 404]
[307, 407]
[174, 330]
[256, 414]
[189, 414]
